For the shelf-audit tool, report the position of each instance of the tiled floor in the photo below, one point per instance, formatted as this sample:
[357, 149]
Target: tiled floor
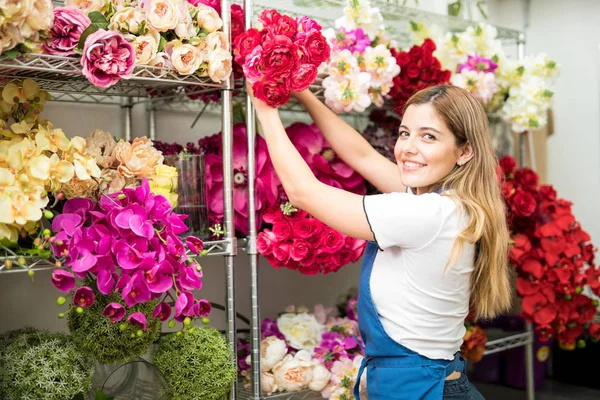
[551, 390]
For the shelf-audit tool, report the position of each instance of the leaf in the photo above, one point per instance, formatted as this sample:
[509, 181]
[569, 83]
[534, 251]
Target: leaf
[78, 396]
[99, 21]
[161, 44]
[11, 54]
[101, 396]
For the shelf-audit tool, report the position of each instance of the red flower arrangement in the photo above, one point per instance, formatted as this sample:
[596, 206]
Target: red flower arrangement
[281, 56]
[297, 240]
[418, 69]
[552, 255]
[474, 341]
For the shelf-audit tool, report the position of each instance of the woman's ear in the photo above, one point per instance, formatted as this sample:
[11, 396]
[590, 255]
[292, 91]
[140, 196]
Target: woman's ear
[465, 154]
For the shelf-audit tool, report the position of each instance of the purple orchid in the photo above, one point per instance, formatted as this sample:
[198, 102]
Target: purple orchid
[194, 244]
[162, 311]
[136, 291]
[138, 319]
[354, 40]
[114, 311]
[269, 328]
[63, 280]
[202, 308]
[83, 297]
[476, 63]
[184, 306]
[334, 347]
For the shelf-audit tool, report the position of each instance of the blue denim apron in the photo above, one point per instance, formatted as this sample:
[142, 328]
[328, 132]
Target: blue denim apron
[393, 371]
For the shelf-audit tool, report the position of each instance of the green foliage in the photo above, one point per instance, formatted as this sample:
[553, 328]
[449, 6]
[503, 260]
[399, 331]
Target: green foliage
[42, 365]
[197, 364]
[104, 341]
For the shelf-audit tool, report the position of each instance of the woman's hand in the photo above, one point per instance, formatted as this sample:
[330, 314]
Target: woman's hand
[261, 107]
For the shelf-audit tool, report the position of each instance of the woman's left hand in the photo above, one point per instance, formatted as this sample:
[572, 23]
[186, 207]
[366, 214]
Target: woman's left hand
[260, 106]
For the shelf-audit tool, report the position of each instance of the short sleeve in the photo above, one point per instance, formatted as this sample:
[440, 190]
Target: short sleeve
[404, 220]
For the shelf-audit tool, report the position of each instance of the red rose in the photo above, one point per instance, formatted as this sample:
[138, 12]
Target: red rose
[279, 56]
[268, 18]
[402, 59]
[595, 330]
[303, 76]
[282, 252]
[426, 60]
[412, 71]
[332, 240]
[317, 48]
[523, 204]
[332, 264]
[304, 228]
[245, 43]
[282, 230]
[285, 25]
[425, 76]
[300, 249]
[508, 164]
[527, 179]
[422, 85]
[309, 261]
[273, 215]
[237, 21]
[436, 64]
[415, 53]
[508, 189]
[274, 94]
[548, 192]
[428, 46]
[300, 214]
[445, 76]
[520, 249]
[265, 241]
[345, 257]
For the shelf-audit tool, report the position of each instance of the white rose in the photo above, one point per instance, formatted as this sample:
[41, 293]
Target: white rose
[208, 18]
[16, 10]
[146, 47]
[301, 331]
[161, 60]
[268, 383]
[87, 6]
[321, 377]
[272, 350]
[163, 15]
[219, 65]
[41, 16]
[292, 374]
[185, 26]
[10, 36]
[127, 20]
[186, 59]
[217, 40]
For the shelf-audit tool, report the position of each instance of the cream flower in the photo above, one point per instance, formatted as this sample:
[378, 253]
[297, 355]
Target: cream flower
[163, 15]
[48, 139]
[85, 166]
[219, 65]
[301, 331]
[111, 181]
[164, 183]
[101, 145]
[217, 40]
[10, 234]
[185, 25]
[268, 383]
[16, 10]
[80, 188]
[41, 16]
[127, 19]
[293, 373]
[321, 377]
[186, 59]
[87, 6]
[272, 350]
[10, 36]
[208, 18]
[138, 159]
[146, 47]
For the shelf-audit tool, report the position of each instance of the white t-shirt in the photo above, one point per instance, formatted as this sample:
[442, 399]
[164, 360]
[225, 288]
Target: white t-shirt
[420, 305]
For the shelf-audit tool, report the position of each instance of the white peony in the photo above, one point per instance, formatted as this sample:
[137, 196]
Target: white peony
[321, 377]
[163, 15]
[301, 331]
[208, 18]
[293, 373]
[186, 59]
[272, 350]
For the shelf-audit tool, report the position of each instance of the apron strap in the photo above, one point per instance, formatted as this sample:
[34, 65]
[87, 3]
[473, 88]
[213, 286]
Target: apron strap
[361, 370]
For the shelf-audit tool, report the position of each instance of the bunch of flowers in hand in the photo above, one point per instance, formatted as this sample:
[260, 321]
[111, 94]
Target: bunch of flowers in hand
[282, 55]
[361, 68]
[23, 25]
[184, 35]
[557, 274]
[419, 69]
[129, 243]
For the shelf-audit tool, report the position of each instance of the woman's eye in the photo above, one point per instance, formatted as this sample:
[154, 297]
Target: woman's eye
[404, 134]
[429, 136]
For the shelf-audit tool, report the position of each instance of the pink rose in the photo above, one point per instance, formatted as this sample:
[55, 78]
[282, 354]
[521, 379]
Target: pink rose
[309, 259]
[265, 242]
[282, 252]
[306, 25]
[300, 249]
[332, 241]
[278, 58]
[245, 43]
[107, 58]
[69, 24]
[274, 94]
[305, 228]
[317, 48]
[269, 17]
[303, 76]
[282, 230]
[286, 26]
[251, 66]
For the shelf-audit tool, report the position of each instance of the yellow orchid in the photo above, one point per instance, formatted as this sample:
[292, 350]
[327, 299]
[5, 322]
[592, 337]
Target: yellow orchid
[8, 234]
[39, 167]
[60, 171]
[85, 166]
[48, 139]
[22, 128]
[7, 179]
[21, 153]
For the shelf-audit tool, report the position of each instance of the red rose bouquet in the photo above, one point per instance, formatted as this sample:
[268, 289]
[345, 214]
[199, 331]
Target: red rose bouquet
[282, 55]
[553, 257]
[418, 69]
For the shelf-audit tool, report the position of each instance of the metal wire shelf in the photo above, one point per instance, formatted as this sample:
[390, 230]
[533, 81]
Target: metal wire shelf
[506, 342]
[63, 77]
[301, 395]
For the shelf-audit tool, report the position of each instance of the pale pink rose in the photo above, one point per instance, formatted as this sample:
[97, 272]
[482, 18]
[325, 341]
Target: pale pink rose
[268, 383]
[219, 65]
[10, 37]
[185, 25]
[272, 350]
[137, 159]
[161, 60]
[87, 6]
[41, 16]
[127, 19]
[146, 47]
[251, 66]
[100, 145]
[208, 18]
[163, 15]
[186, 59]
[293, 373]
[321, 377]
[69, 24]
[217, 40]
[107, 58]
[265, 241]
[16, 10]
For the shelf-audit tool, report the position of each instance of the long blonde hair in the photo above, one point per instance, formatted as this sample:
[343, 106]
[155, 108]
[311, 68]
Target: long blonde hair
[476, 189]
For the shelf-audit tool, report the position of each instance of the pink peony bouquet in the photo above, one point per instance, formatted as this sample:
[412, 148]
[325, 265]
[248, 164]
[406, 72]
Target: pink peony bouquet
[281, 56]
[129, 243]
[107, 58]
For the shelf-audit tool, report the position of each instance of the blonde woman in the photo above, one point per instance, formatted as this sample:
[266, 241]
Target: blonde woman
[438, 239]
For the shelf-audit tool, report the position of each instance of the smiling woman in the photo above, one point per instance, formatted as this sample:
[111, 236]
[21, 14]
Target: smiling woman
[438, 234]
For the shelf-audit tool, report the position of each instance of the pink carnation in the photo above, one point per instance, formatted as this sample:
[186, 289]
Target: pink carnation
[107, 58]
[69, 24]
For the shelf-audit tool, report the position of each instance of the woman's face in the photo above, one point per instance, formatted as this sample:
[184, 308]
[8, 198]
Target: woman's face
[426, 149]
